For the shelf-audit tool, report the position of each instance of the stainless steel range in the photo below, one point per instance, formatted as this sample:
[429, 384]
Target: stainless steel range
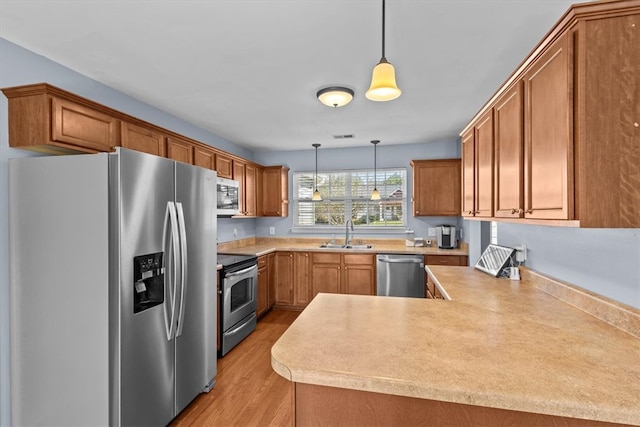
[239, 281]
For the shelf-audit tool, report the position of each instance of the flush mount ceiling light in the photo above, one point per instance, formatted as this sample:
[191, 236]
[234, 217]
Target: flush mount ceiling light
[383, 79]
[375, 194]
[316, 194]
[335, 96]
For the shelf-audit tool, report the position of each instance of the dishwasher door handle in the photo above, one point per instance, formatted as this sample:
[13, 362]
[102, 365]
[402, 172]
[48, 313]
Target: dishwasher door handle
[404, 261]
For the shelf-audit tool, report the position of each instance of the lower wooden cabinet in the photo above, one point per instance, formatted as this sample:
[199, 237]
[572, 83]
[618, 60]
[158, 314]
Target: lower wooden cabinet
[345, 273]
[271, 266]
[263, 286]
[283, 284]
[292, 288]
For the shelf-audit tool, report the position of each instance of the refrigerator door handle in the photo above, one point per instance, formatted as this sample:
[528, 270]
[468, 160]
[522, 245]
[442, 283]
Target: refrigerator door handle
[171, 252]
[183, 267]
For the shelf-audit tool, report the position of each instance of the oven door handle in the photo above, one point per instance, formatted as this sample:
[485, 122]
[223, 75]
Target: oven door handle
[238, 273]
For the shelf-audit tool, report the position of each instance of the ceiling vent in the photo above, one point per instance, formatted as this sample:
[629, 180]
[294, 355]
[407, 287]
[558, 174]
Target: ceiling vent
[348, 136]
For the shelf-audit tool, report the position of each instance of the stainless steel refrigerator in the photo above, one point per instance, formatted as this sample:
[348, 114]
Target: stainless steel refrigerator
[113, 288]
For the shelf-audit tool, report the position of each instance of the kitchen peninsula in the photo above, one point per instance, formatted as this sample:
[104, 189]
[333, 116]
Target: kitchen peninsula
[500, 352]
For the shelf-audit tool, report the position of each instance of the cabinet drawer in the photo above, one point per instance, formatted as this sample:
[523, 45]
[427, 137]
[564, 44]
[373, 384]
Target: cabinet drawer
[262, 261]
[442, 260]
[326, 258]
[360, 259]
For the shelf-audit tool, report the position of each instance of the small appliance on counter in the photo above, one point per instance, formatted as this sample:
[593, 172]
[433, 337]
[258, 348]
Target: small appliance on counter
[447, 237]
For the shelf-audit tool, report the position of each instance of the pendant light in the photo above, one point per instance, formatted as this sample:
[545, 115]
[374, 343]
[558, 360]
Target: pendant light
[375, 194]
[383, 79]
[316, 194]
[335, 96]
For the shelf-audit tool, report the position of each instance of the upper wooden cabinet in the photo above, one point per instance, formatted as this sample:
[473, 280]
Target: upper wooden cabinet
[477, 173]
[247, 175]
[566, 124]
[275, 191]
[204, 157]
[180, 150]
[46, 119]
[144, 139]
[509, 154]
[436, 187]
[224, 166]
[548, 137]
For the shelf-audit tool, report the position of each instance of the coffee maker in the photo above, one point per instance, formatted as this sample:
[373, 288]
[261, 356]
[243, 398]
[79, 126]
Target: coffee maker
[447, 237]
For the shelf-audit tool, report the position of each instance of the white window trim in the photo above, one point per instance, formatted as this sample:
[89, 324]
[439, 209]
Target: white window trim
[363, 229]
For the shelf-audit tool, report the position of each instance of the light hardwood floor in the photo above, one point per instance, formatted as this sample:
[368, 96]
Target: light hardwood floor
[248, 392]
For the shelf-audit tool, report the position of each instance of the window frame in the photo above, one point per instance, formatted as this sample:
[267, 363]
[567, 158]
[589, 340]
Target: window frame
[348, 199]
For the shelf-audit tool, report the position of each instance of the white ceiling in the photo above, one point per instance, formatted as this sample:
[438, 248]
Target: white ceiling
[248, 70]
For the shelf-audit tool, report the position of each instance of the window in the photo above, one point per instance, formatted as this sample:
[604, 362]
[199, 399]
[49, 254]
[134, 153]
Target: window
[346, 195]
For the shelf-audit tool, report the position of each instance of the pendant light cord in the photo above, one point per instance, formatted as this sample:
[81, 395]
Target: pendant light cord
[383, 1]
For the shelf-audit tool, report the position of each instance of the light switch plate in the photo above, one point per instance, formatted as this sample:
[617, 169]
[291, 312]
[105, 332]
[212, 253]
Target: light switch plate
[432, 231]
[272, 230]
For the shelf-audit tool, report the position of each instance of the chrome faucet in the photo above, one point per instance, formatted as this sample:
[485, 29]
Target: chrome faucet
[346, 232]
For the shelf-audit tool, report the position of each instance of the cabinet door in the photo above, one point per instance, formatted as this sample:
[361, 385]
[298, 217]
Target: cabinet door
[325, 278]
[180, 150]
[548, 141]
[283, 283]
[143, 139]
[484, 165]
[82, 126]
[436, 187]
[250, 190]
[224, 166]
[302, 288]
[272, 278]
[275, 191]
[468, 173]
[359, 274]
[238, 175]
[509, 175]
[263, 291]
[204, 158]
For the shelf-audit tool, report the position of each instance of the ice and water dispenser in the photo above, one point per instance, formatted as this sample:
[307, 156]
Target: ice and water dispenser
[148, 281]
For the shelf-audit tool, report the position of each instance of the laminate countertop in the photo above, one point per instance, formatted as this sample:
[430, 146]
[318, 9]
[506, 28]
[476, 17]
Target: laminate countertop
[497, 343]
[264, 246]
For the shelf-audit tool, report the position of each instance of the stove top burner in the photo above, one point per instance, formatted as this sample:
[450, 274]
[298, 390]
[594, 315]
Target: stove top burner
[230, 260]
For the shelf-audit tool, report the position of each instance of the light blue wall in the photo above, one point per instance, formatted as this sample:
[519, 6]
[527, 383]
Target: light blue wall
[19, 66]
[604, 261]
[358, 158]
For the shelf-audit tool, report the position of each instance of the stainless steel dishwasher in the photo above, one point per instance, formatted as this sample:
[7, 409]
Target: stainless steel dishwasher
[401, 275]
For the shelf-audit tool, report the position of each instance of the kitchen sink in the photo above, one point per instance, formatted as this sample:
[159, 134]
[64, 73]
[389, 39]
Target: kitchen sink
[333, 246]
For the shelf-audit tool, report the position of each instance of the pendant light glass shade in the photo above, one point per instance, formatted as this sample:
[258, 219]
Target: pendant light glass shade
[316, 194]
[375, 194]
[383, 83]
[335, 96]
[383, 79]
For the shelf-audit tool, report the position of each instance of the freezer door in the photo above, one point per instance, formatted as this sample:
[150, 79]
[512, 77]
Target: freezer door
[143, 356]
[196, 328]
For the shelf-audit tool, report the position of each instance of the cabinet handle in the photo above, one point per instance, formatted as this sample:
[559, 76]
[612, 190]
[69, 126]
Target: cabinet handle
[470, 213]
[513, 211]
[530, 211]
[417, 212]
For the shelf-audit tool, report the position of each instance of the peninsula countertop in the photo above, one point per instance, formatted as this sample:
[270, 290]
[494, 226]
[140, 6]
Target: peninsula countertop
[497, 343]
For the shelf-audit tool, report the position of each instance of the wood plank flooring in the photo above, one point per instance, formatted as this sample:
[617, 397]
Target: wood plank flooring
[248, 392]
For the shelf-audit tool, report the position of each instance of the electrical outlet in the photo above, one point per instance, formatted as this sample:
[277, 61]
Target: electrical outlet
[235, 232]
[521, 252]
[432, 232]
[272, 230]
